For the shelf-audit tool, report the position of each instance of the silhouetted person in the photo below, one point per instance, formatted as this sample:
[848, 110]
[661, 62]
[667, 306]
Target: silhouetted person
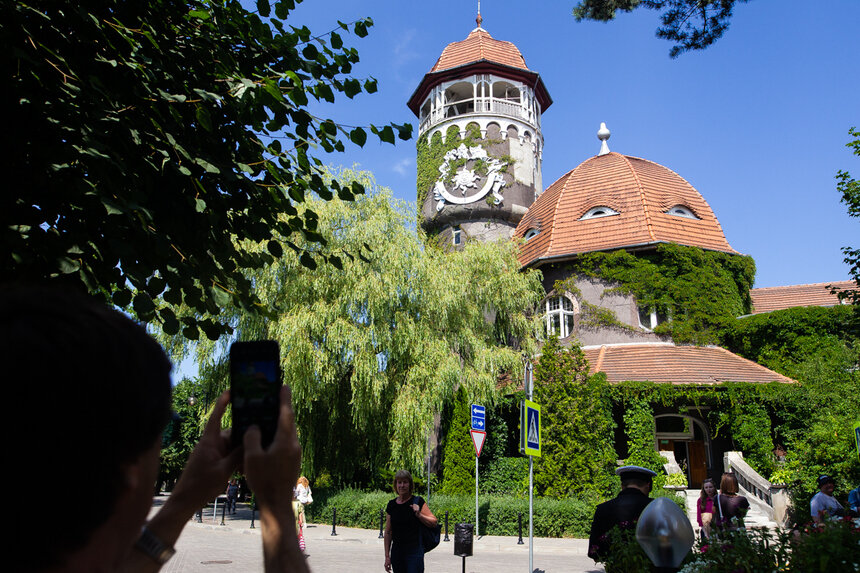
[92, 392]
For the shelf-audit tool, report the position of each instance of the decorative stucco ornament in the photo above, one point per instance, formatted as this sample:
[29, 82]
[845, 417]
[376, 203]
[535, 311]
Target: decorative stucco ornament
[466, 179]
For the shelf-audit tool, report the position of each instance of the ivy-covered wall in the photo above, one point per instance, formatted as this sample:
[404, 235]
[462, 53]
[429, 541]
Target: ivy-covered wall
[702, 291]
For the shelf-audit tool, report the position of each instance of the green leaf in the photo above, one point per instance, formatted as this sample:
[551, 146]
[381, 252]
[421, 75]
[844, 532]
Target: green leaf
[358, 136]
[283, 7]
[275, 249]
[208, 166]
[310, 52]
[336, 41]
[143, 304]
[200, 14]
[264, 10]
[155, 286]
[203, 117]
[351, 87]
[122, 298]
[360, 29]
[199, 205]
[308, 261]
[191, 332]
[370, 85]
[67, 266]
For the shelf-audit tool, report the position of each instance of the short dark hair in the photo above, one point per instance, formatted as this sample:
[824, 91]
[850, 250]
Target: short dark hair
[92, 392]
[637, 480]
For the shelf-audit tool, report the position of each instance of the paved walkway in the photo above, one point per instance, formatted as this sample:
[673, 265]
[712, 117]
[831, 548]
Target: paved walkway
[209, 547]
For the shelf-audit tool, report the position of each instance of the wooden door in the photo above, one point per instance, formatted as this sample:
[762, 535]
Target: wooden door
[697, 462]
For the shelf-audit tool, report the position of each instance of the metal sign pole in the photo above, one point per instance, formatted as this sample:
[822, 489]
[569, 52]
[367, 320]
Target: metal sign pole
[529, 390]
[476, 497]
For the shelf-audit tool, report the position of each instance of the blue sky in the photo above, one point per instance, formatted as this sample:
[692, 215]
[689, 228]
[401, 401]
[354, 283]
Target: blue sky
[757, 122]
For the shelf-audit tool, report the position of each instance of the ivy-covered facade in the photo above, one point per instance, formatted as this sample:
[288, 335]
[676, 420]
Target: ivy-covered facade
[641, 284]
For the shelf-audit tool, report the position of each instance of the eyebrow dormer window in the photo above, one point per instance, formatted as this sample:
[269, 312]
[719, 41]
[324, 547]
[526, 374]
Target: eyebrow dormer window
[681, 211]
[597, 212]
[531, 233]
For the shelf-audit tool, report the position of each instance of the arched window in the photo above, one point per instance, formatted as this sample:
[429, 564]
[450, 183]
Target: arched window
[596, 212]
[560, 315]
[681, 211]
[531, 233]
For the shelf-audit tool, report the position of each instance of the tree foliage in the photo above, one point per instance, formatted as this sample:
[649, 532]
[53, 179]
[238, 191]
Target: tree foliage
[153, 140]
[576, 425]
[376, 340]
[691, 24]
[850, 189]
[458, 460]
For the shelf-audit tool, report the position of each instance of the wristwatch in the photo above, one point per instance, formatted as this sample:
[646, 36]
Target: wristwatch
[153, 547]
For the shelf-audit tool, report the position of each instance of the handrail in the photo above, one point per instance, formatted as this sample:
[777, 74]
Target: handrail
[772, 498]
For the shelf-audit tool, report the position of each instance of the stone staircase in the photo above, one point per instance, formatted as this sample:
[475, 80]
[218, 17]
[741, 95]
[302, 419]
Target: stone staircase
[756, 518]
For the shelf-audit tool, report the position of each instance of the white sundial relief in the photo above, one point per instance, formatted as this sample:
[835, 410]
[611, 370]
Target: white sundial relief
[466, 179]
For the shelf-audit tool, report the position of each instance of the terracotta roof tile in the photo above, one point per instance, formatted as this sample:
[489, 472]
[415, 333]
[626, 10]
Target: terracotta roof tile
[641, 191]
[477, 46]
[779, 298]
[671, 364]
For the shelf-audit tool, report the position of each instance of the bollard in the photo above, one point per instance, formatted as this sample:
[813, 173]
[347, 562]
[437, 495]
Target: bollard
[333, 520]
[223, 511]
[446, 527]
[520, 527]
[381, 522]
[253, 512]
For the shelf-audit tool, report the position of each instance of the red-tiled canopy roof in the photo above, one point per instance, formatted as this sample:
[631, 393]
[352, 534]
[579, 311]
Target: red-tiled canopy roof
[477, 46]
[670, 364]
[641, 191]
[778, 298]
[479, 53]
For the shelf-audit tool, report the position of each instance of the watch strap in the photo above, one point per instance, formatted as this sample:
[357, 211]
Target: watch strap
[149, 544]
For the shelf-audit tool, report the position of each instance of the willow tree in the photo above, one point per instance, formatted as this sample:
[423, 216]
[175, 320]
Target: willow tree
[376, 340]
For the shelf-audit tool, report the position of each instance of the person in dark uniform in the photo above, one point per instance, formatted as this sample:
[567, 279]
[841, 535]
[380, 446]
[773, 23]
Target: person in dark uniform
[626, 507]
[405, 514]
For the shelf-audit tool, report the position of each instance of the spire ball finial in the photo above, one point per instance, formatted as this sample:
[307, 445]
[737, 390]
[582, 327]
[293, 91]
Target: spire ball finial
[603, 135]
[479, 20]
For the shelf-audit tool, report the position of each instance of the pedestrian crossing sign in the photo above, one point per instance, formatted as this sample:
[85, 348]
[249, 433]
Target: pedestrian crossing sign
[530, 429]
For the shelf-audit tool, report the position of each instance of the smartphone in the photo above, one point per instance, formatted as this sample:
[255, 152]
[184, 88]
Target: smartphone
[255, 387]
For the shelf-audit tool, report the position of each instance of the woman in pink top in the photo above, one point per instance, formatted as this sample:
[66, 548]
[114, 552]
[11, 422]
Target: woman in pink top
[705, 506]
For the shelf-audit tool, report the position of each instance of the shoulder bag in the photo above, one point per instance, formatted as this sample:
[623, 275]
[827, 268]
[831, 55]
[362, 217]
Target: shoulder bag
[430, 536]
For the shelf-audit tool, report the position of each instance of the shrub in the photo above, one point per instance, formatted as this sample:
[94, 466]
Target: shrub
[498, 514]
[505, 476]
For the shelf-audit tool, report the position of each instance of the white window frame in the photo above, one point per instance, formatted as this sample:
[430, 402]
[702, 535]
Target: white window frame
[685, 212]
[566, 317]
[598, 212]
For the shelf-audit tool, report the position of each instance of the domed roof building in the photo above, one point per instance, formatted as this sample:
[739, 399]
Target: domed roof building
[479, 178]
[614, 201]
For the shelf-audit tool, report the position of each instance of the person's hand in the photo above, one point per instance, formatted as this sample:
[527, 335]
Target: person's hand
[211, 463]
[272, 472]
[388, 563]
[415, 508]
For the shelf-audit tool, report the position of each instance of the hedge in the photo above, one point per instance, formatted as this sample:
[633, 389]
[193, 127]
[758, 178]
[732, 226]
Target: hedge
[569, 517]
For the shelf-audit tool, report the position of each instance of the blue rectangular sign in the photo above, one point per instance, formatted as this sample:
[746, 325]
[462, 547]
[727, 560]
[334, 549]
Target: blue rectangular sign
[478, 417]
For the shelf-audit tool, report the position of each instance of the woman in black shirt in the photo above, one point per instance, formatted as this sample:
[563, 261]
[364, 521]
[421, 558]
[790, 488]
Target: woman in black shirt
[405, 514]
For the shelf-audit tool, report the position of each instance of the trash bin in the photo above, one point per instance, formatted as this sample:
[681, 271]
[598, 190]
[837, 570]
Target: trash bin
[463, 534]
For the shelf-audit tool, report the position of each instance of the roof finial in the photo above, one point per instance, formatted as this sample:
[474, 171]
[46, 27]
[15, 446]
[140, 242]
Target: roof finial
[603, 135]
[479, 19]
